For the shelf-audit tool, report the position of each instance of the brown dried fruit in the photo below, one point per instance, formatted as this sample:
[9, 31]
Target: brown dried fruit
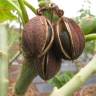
[48, 65]
[37, 37]
[69, 39]
[38, 45]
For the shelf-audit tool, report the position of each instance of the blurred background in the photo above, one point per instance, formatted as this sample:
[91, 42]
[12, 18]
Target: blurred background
[83, 12]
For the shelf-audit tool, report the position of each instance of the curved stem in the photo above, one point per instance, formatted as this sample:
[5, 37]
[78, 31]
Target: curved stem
[30, 6]
[90, 37]
[27, 75]
[24, 12]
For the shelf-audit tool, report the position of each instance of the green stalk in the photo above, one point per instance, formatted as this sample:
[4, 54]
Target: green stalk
[3, 61]
[77, 81]
[27, 75]
[90, 37]
[24, 12]
[30, 6]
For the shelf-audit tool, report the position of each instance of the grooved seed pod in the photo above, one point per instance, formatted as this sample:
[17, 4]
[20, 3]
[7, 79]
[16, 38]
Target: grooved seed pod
[69, 39]
[37, 37]
[48, 65]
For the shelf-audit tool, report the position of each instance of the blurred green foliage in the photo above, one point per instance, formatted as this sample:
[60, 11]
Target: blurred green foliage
[90, 47]
[60, 79]
[6, 11]
[88, 24]
[87, 21]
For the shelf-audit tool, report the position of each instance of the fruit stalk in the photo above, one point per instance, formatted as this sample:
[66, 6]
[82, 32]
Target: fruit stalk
[24, 80]
[90, 37]
[77, 81]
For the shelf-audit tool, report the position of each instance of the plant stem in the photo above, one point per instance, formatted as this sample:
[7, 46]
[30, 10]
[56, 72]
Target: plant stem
[30, 6]
[27, 75]
[77, 81]
[15, 57]
[3, 61]
[24, 12]
[90, 37]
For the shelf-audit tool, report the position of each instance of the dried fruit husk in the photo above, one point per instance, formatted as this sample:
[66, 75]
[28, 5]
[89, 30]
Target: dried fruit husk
[48, 65]
[70, 39]
[37, 37]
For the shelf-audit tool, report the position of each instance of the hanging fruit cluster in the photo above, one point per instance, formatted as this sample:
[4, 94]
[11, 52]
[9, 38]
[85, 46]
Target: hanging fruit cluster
[47, 42]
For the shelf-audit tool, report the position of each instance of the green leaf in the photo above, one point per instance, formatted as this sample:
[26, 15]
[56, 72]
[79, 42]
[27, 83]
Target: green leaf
[6, 9]
[6, 15]
[90, 47]
[4, 4]
[60, 79]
